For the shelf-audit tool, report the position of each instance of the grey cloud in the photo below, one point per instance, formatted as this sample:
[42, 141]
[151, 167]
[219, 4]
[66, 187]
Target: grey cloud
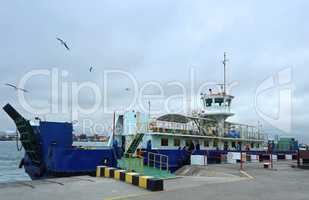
[156, 41]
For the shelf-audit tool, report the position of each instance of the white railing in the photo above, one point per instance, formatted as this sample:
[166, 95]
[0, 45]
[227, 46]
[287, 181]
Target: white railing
[245, 131]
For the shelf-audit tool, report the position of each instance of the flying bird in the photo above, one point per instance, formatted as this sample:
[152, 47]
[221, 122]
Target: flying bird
[127, 89]
[24, 90]
[90, 69]
[63, 43]
[16, 88]
[10, 85]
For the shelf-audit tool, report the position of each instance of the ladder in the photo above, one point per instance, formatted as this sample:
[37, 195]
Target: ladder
[134, 143]
[28, 137]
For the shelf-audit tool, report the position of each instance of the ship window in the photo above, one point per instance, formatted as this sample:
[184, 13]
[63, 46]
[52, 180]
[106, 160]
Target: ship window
[252, 145]
[206, 143]
[176, 142]
[188, 142]
[228, 102]
[219, 101]
[164, 142]
[233, 145]
[215, 143]
[257, 145]
[208, 102]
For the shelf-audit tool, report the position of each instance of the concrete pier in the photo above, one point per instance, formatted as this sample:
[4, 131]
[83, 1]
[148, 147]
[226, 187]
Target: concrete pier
[222, 182]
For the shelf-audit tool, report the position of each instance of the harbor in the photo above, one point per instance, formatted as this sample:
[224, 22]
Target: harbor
[167, 155]
[120, 100]
[221, 181]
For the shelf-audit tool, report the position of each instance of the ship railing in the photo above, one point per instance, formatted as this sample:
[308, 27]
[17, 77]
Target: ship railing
[158, 161]
[246, 131]
[172, 127]
[133, 162]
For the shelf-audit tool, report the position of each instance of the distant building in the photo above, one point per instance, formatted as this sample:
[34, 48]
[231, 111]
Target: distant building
[287, 144]
[90, 138]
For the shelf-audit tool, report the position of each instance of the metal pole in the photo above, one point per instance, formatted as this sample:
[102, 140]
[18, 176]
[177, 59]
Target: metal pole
[142, 164]
[167, 164]
[160, 163]
[241, 163]
[114, 118]
[224, 73]
[271, 160]
[154, 160]
[130, 163]
[148, 159]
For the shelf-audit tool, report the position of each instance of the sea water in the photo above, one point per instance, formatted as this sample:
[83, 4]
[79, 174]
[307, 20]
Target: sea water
[9, 161]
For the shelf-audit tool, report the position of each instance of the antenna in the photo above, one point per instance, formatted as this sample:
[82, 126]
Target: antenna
[224, 73]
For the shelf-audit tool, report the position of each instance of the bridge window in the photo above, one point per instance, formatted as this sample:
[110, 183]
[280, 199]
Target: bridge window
[219, 101]
[228, 102]
[164, 142]
[176, 142]
[208, 102]
[206, 143]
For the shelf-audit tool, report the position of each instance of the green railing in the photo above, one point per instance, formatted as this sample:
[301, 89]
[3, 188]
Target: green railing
[158, 161]
[132, 163]
[157, 164]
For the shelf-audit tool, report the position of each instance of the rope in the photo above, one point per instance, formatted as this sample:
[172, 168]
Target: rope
[19, 148]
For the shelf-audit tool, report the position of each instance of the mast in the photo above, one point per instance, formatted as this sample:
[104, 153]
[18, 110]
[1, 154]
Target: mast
[224, 73]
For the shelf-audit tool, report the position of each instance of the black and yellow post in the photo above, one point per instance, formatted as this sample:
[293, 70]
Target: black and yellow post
[146, 182]
[123, 176]
[155, 184]
[135, 180]
[100, 171]
[117, 174]
[129, 177]
[106, 172]
[112, 172]
[143, 180]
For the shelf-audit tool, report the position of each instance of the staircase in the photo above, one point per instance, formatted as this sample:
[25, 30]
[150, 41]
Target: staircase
[28, 138]
[134, 143]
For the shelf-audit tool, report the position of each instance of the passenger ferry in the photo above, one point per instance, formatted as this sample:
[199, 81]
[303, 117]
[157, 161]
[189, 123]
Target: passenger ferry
[49, 149]
[207, 132]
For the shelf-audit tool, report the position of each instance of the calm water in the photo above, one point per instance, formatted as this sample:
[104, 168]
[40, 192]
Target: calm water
[10, 158]
[9, 161]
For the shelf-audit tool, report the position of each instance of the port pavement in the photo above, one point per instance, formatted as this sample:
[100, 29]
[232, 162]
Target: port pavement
[284, 183]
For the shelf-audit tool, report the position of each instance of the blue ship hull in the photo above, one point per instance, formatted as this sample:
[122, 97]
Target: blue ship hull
[63, 162]
[49, 151]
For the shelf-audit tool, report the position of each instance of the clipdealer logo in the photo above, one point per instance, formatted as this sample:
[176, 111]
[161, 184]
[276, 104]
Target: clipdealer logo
[276, 111]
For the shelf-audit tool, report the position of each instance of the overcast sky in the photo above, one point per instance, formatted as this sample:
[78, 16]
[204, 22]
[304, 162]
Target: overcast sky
[158, 41]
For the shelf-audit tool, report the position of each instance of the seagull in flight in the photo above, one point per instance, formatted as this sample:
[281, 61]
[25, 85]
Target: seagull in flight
[63, 43]
[16, 88]
[90, 69]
